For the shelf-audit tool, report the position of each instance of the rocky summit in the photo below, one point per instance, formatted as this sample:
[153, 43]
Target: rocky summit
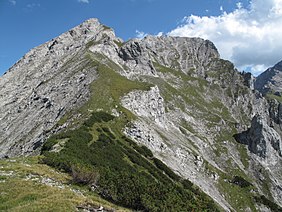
[163, 112]
[270, 80]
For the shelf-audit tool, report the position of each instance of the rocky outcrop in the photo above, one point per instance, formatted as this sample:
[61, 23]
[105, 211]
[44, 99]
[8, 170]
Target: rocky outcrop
[249, 80]
[148, 104]
[184, 54]
[270, 80]
[261, 139]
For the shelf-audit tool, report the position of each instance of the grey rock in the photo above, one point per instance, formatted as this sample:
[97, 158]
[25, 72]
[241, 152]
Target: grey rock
[249, 80]
[270, 80]
[43, 85]
[261, 139]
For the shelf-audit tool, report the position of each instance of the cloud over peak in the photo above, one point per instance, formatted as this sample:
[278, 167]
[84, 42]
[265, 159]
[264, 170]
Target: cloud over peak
[249, 37]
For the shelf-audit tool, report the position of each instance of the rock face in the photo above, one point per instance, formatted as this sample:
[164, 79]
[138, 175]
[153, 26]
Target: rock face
[48, 81]
[261, 139]
[196, 103]
[270, 80]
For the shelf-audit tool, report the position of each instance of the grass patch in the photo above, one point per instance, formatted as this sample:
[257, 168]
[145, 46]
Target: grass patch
[263, 200]
[270, 96]
[239, 197]
[20, 195]
[243, 154]
[118, 43]
[107, 90]
[25, 190]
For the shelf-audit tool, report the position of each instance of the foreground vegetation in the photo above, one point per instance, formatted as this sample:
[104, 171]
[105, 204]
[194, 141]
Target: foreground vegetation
[28, 185]
[121, 171]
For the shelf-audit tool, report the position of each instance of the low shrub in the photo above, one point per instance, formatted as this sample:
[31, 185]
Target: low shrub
[98, 117]
[166, 170]
[272, 205]
[240, 181]
[121, 172]
[146, 151]
[84, 175]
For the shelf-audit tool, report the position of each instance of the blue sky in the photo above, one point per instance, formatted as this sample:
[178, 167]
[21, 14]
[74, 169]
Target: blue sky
[28, 23]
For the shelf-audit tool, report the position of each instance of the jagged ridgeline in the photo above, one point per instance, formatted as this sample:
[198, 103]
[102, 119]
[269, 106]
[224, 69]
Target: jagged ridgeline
[152, 124]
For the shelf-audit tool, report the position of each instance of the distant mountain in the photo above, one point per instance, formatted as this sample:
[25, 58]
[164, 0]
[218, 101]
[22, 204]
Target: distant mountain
[152, 124]
[270, 81]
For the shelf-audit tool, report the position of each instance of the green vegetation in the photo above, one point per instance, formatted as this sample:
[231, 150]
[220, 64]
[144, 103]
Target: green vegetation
[183, 89]
[243, 154]
[123, 172]
[27, 185]
[240, 181]
[239, 197]
[236, 187]
[270, 96]
[165, 169]
[98, 117]
[273, 206]
[118, 43]
[107, 90]
[143, 150]
[204, 98]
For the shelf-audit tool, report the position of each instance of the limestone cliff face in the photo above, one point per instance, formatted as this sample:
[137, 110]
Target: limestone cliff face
[197, 103]
[270, 80]
[48, 81]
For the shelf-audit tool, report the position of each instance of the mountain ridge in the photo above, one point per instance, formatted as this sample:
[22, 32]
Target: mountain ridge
[179, 99]
[270, 79]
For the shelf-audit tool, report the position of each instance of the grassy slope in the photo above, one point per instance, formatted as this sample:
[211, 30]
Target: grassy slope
[27, 185]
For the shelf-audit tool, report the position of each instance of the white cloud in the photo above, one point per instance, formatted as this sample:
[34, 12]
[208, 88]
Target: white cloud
[251, 38]
[83, 1]
[140, 34]
[32, 5]
[13, 2]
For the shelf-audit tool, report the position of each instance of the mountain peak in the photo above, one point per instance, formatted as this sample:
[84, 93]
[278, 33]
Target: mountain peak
[278, 66]
[270, 80]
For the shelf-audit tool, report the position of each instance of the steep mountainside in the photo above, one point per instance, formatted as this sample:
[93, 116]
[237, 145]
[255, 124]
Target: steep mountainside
[96, 96]
[270, 80]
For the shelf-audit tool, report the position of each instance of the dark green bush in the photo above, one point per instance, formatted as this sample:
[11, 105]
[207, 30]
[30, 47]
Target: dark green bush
[84, 175]
[49, 144]
[125, 176]
[108, 132]
[240, 181]
[166, 170]
[187, 184]
[146, 152]
[141, 149]
[98, 117]
[272, 205]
